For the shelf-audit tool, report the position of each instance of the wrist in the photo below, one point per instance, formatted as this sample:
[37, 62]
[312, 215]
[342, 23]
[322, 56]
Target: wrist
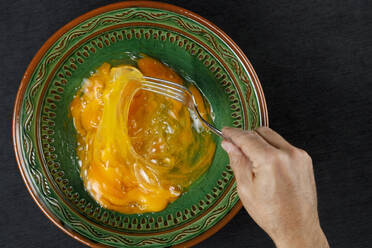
[308, 238]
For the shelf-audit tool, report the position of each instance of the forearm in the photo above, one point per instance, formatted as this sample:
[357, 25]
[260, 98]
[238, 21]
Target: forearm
[304, 239]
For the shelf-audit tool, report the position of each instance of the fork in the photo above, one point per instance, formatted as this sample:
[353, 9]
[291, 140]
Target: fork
[179, 93]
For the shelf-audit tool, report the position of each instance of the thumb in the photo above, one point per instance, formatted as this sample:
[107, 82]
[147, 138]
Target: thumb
[240, 164]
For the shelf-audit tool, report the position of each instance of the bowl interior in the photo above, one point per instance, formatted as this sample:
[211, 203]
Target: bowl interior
[116, 46]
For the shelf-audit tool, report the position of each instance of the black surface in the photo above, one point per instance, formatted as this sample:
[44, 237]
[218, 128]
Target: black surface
[314, 61]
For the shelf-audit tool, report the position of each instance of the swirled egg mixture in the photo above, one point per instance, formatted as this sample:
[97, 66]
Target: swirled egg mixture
[138, 150]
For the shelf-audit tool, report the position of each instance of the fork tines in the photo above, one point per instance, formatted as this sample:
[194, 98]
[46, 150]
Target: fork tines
[165, 88]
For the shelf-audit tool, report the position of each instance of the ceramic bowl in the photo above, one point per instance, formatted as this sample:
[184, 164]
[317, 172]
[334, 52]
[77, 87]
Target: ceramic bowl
[44, 136]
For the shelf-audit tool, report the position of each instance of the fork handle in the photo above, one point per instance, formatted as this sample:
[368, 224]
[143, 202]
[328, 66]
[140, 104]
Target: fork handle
[214, 130]
[217, 132]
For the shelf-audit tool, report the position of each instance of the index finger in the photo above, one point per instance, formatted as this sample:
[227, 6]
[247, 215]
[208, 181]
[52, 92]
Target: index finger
[250, 143]
[274, 138]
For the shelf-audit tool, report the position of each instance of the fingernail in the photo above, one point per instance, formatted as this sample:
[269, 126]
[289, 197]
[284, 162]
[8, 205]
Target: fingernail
[227, 146]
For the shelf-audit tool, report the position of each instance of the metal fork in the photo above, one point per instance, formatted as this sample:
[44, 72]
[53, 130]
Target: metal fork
[178, 93]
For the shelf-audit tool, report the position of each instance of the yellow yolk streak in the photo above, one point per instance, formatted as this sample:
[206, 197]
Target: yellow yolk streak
[138, 150]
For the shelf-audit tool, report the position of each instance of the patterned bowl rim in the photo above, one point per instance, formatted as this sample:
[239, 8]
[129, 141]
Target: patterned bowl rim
[34, 62]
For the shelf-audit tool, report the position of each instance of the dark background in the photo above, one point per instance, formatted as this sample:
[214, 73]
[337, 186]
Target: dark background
[314, 61]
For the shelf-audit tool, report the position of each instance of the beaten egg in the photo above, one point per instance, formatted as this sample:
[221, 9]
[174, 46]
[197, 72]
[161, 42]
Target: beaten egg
[138, 150]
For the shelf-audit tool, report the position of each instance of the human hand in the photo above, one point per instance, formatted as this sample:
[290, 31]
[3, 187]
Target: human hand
[276, 185]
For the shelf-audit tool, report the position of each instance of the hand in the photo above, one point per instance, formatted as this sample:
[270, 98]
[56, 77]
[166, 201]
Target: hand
[276, 185]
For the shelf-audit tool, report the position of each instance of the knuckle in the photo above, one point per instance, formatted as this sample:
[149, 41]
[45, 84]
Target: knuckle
[301, 155]
[292, 151]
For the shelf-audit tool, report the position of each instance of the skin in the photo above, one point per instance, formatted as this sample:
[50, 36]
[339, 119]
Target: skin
[276, 185]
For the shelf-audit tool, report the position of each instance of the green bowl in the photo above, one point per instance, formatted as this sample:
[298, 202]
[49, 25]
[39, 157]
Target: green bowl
[44, 135]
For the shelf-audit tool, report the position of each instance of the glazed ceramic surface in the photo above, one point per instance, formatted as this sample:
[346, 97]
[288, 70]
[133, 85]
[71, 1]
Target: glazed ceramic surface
[45, 138]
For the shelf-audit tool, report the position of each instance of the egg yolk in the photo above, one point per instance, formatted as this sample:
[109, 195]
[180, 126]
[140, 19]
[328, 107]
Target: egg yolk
[138, 150]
